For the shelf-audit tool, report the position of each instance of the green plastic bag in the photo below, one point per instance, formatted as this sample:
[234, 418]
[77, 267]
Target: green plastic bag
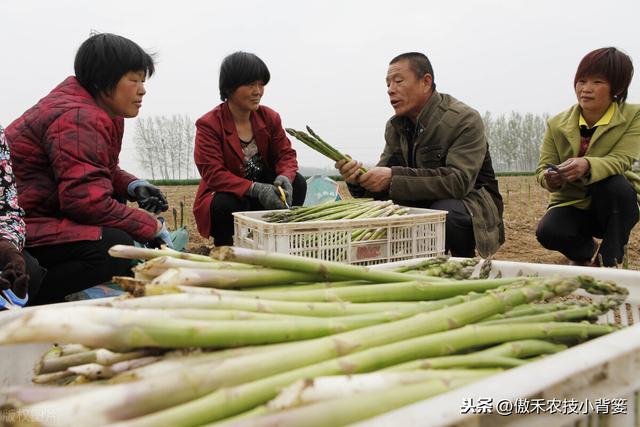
[321, 189]
[180, 239]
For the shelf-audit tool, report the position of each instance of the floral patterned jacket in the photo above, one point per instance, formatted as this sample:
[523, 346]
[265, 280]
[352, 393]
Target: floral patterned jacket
[12, 227]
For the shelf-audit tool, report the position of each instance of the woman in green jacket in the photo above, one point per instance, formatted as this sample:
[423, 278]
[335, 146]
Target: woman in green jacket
[585, 163]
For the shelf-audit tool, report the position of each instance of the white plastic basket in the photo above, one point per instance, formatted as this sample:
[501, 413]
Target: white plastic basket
[604, 368]
[420, 233]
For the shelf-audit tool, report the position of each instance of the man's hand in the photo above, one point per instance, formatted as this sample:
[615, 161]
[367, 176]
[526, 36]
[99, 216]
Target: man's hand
[376, 180]
[12, 265]
[149, 197]
[574, 168]
[350, 170]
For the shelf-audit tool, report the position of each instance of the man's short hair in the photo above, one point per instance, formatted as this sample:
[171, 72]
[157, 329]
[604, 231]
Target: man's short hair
[104, 58]
[241, 68]
[419, 64]
[615, 66]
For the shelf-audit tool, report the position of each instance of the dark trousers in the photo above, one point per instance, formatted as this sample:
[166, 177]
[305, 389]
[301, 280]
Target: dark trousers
[72, 267]
[224, 204]
[612, 215]
[459, 238]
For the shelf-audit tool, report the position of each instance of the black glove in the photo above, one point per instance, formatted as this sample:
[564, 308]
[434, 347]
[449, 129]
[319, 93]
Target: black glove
[283, 182]
[267, 194]
[14, 275]
[150, 198]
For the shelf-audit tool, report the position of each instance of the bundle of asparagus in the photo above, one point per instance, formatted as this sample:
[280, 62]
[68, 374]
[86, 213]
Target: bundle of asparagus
[314, 141]
[331, 345]
[441, 266]
[342, 210]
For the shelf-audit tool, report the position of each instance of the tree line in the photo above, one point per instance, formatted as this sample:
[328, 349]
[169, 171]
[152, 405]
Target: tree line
[165, 144]
[514, 140]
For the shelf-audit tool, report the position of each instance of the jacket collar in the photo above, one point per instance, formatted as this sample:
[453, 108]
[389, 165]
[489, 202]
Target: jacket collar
[258, 126]
[257, 121]
[604, 120]
[569, 127]
[401, 122]
[72, 90]
[72, 87]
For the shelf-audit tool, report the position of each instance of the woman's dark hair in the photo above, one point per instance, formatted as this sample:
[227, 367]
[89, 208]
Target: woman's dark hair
[419, 64]
[241, 68]
[615, 66]
[104, 58]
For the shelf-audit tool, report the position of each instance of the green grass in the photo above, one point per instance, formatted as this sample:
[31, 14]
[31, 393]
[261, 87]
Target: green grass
[175, 181]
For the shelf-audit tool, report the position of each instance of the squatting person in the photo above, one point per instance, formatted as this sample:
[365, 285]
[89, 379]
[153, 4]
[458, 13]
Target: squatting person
[585, 163]
[65, 153]
[242, 152]
[436, 156]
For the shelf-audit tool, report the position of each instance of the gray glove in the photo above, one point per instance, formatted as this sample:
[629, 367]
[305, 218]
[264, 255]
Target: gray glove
[267, 195]
[283, 181]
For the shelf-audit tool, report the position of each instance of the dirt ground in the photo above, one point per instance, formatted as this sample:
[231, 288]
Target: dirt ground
[525, 203]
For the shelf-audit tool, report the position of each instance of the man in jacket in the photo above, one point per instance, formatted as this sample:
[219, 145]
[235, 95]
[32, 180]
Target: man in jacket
[436, 156]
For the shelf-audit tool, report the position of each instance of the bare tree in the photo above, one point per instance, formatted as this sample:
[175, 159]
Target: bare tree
[144, 140]
[515, 140]
[165, 146]
[188, 135]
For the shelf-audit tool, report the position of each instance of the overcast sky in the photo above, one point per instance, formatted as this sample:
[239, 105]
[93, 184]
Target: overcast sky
[328, 59]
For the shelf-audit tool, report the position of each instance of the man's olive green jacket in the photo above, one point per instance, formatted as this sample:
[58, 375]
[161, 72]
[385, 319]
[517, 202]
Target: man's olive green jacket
[451, 161]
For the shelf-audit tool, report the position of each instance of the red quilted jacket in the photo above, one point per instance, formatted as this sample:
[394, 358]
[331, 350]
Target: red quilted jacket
[65, 157]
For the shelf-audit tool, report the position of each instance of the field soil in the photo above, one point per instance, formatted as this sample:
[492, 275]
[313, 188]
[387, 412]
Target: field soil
[525, 203]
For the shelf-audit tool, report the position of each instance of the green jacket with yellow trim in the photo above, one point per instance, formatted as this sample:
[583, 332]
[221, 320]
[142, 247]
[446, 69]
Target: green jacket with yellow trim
[612, 150]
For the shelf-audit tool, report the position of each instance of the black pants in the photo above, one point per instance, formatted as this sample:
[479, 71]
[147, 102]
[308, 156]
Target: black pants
[224, 204]
[459, 238]
[612, 215]
[72, 267]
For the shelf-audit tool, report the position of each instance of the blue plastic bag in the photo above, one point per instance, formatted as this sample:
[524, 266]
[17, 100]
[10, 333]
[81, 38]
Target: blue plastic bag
[321, 189]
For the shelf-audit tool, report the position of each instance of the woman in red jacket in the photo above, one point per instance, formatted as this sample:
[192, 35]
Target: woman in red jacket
[65, 156]
[242, 152]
